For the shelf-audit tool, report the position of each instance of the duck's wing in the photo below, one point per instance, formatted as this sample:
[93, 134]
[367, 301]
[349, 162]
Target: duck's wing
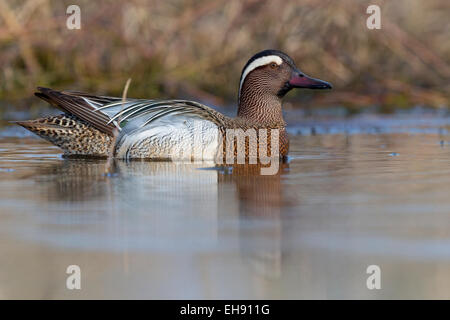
[140, 114]
[84, 108]
[110, 113]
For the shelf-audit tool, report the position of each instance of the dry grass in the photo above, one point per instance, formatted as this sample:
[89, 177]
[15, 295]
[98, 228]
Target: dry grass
[197, 48]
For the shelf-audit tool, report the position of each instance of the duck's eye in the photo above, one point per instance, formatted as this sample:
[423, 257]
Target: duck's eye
[273, 65]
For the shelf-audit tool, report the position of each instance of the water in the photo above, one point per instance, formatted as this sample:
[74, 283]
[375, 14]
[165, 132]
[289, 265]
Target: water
[357, 194]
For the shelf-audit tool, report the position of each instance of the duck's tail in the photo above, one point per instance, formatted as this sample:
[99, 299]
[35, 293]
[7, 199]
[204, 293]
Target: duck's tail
[73, 135]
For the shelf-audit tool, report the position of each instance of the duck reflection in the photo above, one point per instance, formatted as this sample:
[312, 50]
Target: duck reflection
[220, 193]
[259, 199]
[74, 180]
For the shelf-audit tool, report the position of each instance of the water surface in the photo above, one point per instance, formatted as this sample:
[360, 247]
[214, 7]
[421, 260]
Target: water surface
[351, 195]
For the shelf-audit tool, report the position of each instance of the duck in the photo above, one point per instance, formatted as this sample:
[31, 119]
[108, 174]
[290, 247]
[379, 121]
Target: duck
[128, 128]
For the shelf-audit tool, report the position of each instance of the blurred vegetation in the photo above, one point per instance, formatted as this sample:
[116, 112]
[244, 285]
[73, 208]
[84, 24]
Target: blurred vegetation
[196, 49]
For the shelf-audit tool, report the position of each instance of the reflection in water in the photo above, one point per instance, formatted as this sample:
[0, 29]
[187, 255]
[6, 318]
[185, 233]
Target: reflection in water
[258, 199]
[74, 180]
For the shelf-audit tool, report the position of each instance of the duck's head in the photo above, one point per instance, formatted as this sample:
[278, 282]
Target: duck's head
[272, 72]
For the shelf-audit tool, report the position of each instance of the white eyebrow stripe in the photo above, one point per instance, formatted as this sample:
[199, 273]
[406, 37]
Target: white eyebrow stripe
[258, 63]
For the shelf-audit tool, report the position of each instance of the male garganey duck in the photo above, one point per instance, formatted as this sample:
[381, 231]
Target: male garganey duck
[164, 129]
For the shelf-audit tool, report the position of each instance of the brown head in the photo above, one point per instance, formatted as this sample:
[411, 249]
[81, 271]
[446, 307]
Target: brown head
[265, 79]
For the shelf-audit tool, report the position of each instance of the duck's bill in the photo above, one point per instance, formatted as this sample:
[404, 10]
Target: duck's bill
[300, 80]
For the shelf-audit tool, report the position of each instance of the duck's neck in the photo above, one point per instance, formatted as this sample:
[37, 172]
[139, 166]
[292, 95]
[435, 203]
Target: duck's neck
[260, 107]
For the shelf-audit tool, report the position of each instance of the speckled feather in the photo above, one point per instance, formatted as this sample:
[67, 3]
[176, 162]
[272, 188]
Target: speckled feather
[72, 135]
